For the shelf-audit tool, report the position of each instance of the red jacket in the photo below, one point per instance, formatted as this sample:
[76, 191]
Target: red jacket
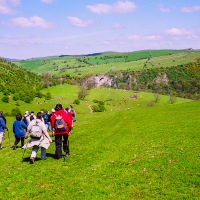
[65, 117]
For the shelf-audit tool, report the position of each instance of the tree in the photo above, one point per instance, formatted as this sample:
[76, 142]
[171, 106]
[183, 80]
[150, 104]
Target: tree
[83, 92]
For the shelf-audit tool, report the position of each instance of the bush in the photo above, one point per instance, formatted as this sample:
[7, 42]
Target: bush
[101, 103]
[98, 108]
[5, 99]
[95, 108]
[15, 111]
[102, 108]
[77, 102]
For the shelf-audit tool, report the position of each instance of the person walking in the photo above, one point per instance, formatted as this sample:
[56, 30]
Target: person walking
[3, 127]
[34, 128]
[26, 118]
[19, 128]
[62, 125]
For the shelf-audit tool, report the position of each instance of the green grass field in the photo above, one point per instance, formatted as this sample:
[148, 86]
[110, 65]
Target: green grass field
[104, 63]
[133, 150]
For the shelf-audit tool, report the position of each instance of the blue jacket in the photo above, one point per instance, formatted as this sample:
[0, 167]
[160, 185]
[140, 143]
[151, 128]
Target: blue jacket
[2, 125]
[19, 128]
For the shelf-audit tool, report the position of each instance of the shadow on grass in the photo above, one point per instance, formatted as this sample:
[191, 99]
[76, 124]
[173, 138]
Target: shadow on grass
[48, 155]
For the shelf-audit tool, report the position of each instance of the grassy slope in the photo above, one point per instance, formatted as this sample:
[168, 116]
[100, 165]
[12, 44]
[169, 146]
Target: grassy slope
[113, 61]
[144, 152]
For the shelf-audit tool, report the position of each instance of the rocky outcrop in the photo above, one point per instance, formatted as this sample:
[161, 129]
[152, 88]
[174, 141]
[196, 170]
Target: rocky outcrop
[98, 81]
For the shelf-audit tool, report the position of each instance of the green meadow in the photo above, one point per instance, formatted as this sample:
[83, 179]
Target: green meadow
[107, 62]
[136, 149]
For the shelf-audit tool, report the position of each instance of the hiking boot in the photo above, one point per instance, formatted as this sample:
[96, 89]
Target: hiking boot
[32, 160]
[67, 154]
[14, 147]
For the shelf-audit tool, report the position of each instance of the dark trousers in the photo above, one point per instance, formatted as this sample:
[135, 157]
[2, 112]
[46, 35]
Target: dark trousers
[58, 142]
[17, 140]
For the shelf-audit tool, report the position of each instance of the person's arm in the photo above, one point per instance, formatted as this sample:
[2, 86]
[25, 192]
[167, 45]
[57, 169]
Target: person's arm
[47, 135]
[3, 124]
[28, 130]
[14, 127]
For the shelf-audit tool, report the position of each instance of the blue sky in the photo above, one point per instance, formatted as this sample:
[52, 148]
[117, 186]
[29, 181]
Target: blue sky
[38, 28]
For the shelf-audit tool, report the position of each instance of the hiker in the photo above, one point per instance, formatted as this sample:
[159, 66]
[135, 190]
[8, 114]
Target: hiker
[72, 111]
[46, 120]
[1, 112]
[26, 118]
[3, 127]
[50, 116]
[62, 125]
[39, 138]
[32, 116]
[19, 128]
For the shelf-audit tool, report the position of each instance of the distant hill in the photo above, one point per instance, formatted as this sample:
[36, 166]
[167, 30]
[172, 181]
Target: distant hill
[139, 70]
[101, 63]
[18, 83]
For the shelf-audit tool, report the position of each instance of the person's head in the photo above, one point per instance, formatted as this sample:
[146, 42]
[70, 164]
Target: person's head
[67, 109]
[1, 113]
[18, 117]
[39, 115]
[58, 107]
[26, 113]
[53, 110]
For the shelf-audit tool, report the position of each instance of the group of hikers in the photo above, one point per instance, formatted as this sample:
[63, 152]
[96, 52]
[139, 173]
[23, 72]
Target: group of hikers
[59, 122]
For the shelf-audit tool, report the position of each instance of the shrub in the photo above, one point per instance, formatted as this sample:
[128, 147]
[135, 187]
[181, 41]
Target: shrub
[101, 103]
[95, 108]
[15, 111]
[5, 99]
[102, 108]
[77, 101]
[98, 108]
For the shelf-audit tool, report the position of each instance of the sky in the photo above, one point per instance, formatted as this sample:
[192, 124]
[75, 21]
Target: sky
[40, 28]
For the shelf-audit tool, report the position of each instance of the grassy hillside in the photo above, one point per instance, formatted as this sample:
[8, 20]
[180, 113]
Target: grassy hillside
[17, 83]
[103, 63]
[131, 151]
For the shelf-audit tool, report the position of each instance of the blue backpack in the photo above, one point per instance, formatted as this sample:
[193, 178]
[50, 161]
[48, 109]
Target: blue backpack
[60, 124]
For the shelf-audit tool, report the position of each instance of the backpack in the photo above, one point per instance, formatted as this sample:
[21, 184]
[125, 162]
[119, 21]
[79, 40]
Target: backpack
[36, 131]
[31, 117]
[25, 120]
[73, 115]
[60, 124]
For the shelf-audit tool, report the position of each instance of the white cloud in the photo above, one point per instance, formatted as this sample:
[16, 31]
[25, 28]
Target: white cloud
[47, 1]
[5, 8]
[75, 21]
[164, 9]
[180, 32]
[191, 9]
[118, 7]
[139, 38]
[32, 22]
